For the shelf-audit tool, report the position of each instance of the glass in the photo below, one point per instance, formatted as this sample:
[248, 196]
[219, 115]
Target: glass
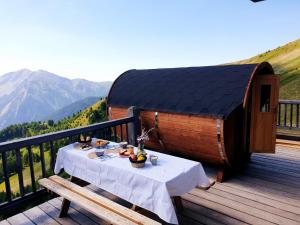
[265, 98]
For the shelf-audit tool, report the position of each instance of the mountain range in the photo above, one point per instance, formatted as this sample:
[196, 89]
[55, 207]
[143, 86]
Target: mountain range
[33, 95]
[69, 110]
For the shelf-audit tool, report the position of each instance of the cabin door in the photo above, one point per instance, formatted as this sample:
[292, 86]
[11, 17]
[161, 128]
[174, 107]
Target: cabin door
[264, 114]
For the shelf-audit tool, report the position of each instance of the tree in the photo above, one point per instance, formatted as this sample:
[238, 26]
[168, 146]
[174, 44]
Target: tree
[50, 123]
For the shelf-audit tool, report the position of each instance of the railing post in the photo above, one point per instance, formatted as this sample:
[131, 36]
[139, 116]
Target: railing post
[279, 115]
[297, 116]
[134, 128]
[52, 155]
[20, 171]
[6, 176]
[31, 166]
[291, 115]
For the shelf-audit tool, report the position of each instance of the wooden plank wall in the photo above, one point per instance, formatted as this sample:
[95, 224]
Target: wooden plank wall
[194, 137]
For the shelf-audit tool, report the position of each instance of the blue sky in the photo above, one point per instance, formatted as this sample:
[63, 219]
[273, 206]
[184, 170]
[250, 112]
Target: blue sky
[98, 40]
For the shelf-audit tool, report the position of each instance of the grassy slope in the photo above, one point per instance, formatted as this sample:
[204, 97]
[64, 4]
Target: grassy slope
[79, 120]
[82, 119]
[286, 62]
[14, 182]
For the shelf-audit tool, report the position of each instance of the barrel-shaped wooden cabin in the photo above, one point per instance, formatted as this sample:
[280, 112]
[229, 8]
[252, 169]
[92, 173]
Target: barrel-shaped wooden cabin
[216, 114]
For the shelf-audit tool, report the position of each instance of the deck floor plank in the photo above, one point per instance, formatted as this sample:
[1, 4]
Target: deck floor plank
[20, 219]
[264, 215]
[260, 187]
[261, 198]
[274, 159]
[280, 165]
[267, 191]
[4, 222]
[234, 213]
[39, 217]
[75, 215]
[261, 203]
[54, 213]
[277, 170]
[199, 210]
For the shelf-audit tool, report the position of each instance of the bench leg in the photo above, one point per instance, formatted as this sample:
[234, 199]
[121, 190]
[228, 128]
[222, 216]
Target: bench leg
[66, 203]
[64, 208]
[178, 203]
[135, 208]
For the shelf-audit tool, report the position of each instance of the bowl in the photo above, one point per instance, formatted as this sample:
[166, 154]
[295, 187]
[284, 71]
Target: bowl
[138, 164]
[99, 152]
[101, 143]
[123, 144]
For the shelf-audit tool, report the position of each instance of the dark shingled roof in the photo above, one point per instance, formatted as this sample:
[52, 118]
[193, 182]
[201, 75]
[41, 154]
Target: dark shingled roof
[210, 90]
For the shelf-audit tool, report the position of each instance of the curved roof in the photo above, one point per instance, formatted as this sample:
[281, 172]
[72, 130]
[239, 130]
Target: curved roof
[209, 90]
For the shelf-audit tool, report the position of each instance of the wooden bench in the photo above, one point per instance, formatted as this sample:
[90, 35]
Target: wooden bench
[96, 204]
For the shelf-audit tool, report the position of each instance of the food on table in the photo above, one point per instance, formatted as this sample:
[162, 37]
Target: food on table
[125, 152]
[138, 160]
[133, 156]
[140, 156]
[141, 153]
[84, 139]
[123, 144]
[84, 146]
[130, 149]
[101, 143]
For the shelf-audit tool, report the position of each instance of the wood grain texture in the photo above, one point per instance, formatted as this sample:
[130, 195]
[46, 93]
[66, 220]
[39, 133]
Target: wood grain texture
[53, 212]
[104, 202]
[85, 203]
[20, 219]
[77, 215]
[4, 222]
[189, 136]
[37, 216]
[263, 124]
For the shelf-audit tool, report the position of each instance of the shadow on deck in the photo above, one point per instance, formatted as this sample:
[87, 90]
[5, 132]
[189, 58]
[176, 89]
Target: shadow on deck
[267, 192]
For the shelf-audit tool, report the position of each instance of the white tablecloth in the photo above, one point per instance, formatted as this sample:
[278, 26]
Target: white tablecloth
[150, 187]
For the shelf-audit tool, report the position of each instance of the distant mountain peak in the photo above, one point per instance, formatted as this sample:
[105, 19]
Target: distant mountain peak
[24, 70]
[32, 95]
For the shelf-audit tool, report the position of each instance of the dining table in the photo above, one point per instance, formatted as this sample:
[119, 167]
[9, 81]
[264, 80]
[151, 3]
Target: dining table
[153, 187]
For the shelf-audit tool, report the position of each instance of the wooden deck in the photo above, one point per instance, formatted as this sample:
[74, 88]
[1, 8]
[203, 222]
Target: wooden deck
[267, 192]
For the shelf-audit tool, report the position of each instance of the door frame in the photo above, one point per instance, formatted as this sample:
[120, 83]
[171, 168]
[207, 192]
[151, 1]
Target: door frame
[254, 107]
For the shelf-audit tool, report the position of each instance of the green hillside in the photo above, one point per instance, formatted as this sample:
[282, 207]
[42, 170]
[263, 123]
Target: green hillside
[286, 62]
[94, 113]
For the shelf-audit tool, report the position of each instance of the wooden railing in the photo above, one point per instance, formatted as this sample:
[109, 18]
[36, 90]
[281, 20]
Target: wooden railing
[36, 148]
[289, 114]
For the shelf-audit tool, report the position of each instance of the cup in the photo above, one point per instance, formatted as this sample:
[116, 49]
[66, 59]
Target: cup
[153, 159]
[130, 149]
